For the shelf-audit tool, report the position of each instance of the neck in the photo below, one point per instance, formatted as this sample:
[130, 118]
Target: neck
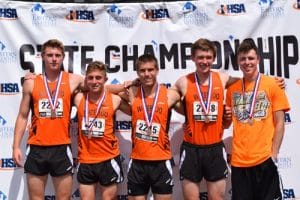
[94, 96]
[52, 75]
[251, 78]
[203, 77]
[149, 91]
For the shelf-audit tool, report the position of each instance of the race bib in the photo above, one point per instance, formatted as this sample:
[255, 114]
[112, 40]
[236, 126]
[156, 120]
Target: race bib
[45, 108]
[147, 133]
[199, 114]
[97, 128]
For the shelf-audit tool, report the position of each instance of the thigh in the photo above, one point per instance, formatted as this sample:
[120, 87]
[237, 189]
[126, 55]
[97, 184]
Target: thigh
[36, 186]
[190, 189]
[109, 192]
[216, 189]
[162, 196]
[87, 192]
[63, 186]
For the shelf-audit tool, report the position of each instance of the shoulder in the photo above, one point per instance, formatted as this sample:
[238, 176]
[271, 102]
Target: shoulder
[28, 86]
[181, 83]
[77, 99]
[75, 77]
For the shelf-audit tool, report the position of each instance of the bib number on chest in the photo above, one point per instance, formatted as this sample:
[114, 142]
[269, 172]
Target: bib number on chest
[97, 128]
[199, 114]
[45, 108]
[147, 133]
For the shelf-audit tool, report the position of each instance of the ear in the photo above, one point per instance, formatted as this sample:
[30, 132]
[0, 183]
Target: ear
[193, 58]
[106, 79]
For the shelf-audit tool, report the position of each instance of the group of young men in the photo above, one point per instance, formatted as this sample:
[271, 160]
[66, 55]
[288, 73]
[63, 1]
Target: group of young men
[256, 105]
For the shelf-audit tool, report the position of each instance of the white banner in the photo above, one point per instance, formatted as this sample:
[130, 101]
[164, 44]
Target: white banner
[118, 33]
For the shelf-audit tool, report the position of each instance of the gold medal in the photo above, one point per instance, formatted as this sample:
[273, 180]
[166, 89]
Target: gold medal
[53, 114]
[206, 119]
[250, 121]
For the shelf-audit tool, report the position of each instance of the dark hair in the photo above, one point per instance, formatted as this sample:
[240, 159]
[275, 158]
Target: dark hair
[247, 45]
[145, 58]
[96, 65]
[204, 45]
[54, 43]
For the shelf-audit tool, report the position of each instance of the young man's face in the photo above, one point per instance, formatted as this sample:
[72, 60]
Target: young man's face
[53, 58]
[95, 80]
[203, 60]
[248, 62]
[147, 73]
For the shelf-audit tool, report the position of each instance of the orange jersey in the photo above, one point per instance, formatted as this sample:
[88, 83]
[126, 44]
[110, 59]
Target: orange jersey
[196, 130]
[154, 145]
[45, 131]
[103, 144]
[252, 144]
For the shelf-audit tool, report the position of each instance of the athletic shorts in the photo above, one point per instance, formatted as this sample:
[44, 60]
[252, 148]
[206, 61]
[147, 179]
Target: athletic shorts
[206, 161]
[260, 182]
[106, 173]
[143, 175]
[42, 160]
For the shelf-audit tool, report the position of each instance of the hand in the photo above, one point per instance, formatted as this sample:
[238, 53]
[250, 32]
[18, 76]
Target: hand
[29, 75]
[280, 82]
[127, 84]
[136, 82]
[275, 158]
[17, 156]
[227, 117]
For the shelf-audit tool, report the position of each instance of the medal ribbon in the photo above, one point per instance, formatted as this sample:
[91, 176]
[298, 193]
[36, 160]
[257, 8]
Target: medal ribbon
[205, 106]
[254, 94]
[52, 101]
[149, 117]
[86, 111]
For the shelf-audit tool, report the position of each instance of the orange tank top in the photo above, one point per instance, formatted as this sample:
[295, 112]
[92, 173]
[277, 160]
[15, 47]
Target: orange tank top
[154, 145]
[44, 130]
[197, 130]
[103, 144]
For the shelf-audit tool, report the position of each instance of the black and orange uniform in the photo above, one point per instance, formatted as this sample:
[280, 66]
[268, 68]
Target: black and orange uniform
[48, 149]
[105, 146]
[150, 165]
[202, 137]
[98, 154]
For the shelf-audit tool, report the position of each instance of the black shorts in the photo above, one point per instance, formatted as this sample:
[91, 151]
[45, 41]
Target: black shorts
[42, 160]
[106, 173]
[260, 182]
[143, 175]
[206, 161]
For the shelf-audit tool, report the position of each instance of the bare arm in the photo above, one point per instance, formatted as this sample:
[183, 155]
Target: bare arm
[122, 88]
[76, 83]
[181, 85]
[21, 121]
[178, 107]
[278, 134]
[119, 103]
